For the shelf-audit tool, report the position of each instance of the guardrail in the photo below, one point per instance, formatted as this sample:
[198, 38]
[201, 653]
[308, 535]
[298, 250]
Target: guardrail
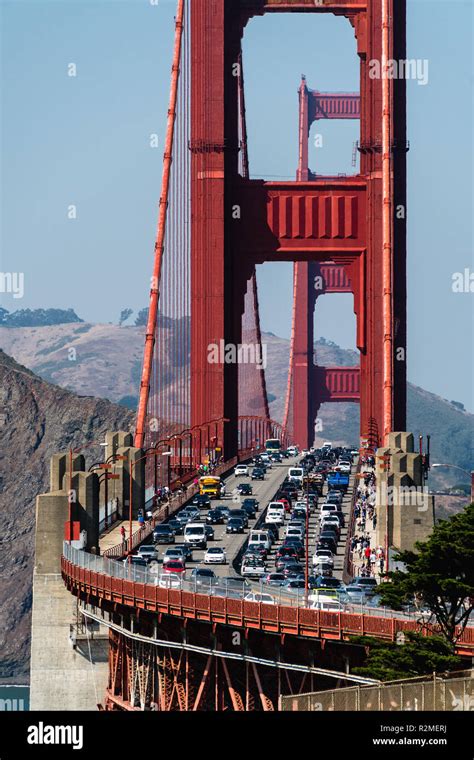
[229, 588]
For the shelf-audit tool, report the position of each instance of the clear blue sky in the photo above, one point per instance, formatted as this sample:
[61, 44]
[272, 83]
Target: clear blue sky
[85, 141]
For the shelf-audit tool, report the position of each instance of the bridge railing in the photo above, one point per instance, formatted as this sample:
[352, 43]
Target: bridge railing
[221, 587]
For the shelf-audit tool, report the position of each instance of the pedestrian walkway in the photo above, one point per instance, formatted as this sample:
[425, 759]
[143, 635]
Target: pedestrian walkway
[113, 536]
[364, 528]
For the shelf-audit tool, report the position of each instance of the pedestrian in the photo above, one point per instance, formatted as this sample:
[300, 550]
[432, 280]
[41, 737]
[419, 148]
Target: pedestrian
[122, 533]
[374, 521]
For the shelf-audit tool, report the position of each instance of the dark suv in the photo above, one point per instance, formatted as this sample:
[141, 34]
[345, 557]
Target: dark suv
[163, 534]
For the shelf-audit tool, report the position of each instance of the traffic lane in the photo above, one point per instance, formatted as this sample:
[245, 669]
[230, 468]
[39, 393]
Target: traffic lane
[264, 491]
[232, 543]
[313, 534]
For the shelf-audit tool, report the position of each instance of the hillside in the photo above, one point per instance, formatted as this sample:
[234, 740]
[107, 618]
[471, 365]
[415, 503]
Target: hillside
[36, 420]
[105, 361]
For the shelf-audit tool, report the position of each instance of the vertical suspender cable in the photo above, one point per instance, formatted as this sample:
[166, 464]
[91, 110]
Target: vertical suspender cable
[387, 225]
[291, 367]
[159, 245]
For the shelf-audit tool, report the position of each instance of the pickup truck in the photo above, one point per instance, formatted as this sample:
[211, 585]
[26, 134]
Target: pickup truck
[253, 569]
[338, 480]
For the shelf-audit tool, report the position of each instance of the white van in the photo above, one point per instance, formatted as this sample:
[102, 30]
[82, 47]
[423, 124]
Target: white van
[296, 475]
[325, 603]
[195, 535]
[260, 537]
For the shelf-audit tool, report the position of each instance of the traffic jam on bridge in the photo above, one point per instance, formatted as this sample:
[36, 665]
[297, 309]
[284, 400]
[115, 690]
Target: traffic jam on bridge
[276, 530]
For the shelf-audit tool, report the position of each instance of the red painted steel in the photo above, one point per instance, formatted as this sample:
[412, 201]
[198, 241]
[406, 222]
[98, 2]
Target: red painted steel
[280, 619]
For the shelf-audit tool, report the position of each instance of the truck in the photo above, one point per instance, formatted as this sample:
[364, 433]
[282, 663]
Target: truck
[338, 481]
[211, 486]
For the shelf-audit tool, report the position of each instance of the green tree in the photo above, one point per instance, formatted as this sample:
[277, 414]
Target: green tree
[439, 574]
[124, 315]
[418, 656]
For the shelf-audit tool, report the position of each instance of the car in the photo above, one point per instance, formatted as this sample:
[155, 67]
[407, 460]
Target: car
[250, 509]
[259, 550]
[241, 470]
[175, 566]
[323, 581]
[258, 473]
[292, 569]
[356, 594]
[136, 561]
[275, 579]
[295, 583]
[215, 555]
[202, 501]
[240, 513]
[299, 550]
[334, 497]
[209, 532]
[245, 489]
[295, 531]
[286, 503]
[329, 541]
[176, 526]
[282, 562]
[202, 576]
[148, 552]
[215, 517]
[344, 467]
[175, 553]
[323, 556]
[252, 502]
[253, 568]
[225, 511]
[169, 580]
[272, 529]
[183, 518]
[276, 458]
[359, 580]
[331, 524]
[285, 551]
[254, 596]
[325, 603]
[163, 534]
[235, 525]
[192, 511]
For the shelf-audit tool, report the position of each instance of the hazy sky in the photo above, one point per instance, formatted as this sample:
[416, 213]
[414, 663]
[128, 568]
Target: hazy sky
[84, 140]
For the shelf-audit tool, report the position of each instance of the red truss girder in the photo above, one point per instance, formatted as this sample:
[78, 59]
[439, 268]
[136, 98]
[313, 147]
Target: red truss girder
[327, 105]
[333, 279]
[295, 220]
[337, 383]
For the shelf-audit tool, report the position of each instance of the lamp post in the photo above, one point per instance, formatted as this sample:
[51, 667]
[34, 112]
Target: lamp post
[108, 476]
[151, 451]
[470, 474]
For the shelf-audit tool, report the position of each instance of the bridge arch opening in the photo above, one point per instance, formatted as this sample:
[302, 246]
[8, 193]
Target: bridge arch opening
[323, 48]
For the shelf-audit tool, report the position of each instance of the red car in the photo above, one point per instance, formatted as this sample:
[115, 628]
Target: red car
[174, 566]
[286, 504]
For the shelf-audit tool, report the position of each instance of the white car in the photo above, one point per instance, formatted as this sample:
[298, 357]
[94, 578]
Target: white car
[323, 555]
[172, 554]
[344, 468]
[295, 531]
[169, 580]
[260, 598]
[241, 469]
[215, 556]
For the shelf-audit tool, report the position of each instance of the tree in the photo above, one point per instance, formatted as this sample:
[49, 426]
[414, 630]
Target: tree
[439, 574]
[142, 317]
[417, 656]
[124, 315]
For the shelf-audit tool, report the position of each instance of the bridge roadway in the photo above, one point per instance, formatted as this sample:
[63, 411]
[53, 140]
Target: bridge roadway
[264, 491]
